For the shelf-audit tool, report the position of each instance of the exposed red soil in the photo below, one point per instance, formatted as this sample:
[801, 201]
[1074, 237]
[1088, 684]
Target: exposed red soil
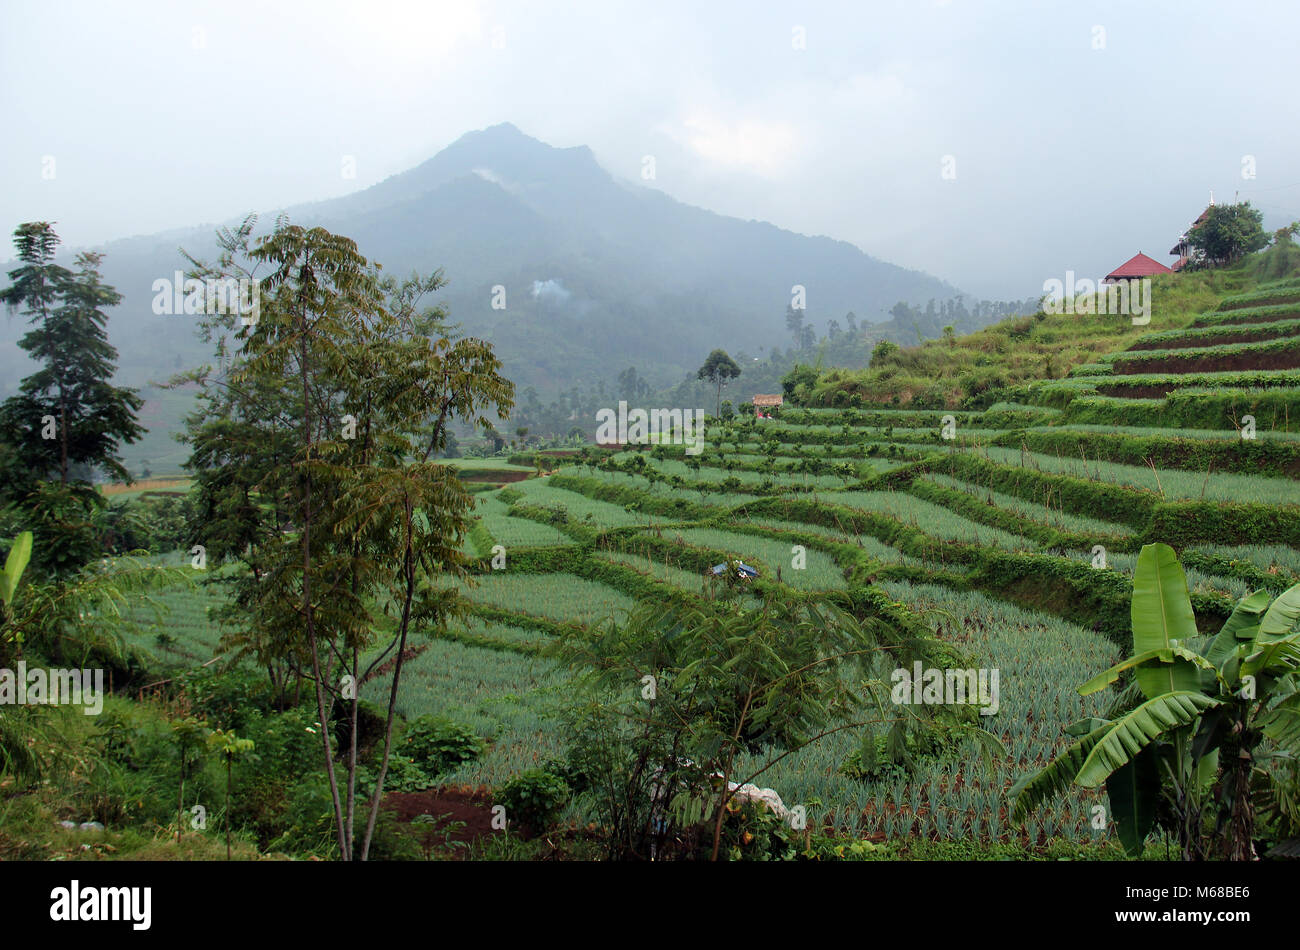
[1242, 336]
[463, 815]
[1228, 362]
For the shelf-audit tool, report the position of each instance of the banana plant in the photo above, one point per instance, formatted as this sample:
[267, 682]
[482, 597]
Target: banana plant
[1191, 730]
[20, 553]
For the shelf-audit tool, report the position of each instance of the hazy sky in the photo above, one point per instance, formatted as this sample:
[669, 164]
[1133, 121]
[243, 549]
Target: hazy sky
[159, 115]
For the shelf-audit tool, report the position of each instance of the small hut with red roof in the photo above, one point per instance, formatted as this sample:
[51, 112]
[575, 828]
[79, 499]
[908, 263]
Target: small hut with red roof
[1135, 268]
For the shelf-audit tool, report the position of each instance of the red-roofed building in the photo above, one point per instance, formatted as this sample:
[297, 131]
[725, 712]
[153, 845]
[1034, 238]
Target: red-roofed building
[1137, 266]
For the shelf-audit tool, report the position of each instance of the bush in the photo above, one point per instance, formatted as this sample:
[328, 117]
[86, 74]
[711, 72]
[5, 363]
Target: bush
[310, 819]
[534, 798]
[227, 699]
[438, 745]
[403, 776]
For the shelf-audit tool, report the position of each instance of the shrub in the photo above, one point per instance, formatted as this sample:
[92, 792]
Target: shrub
[436, 744]
[403, 776]
[227, 699]
[534, 797]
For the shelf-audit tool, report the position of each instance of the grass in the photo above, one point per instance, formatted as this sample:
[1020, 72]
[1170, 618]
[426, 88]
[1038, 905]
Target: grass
[506, 697]
[513, 532]
[664, 573]
[1041, 514]
[935, 520]
[1015, 351]
[555, 596]
[1171, 483]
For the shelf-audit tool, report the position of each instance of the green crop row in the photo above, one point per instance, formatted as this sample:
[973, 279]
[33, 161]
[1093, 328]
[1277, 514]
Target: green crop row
[1171, 340]
[1261, 455]
[1276, 566]
[1284, 351]
[1228, 434]
[1247, 315]
[1261, 297]
[1167, 483]
[1050, 526]
[1195, 408]
[1157, 384]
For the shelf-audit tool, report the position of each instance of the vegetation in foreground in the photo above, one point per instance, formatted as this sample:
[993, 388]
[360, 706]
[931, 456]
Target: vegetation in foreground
[349, 684]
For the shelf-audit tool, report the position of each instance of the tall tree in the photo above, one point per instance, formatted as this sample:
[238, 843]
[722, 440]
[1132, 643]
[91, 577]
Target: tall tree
[67, 419]
[366, 527]
[69, 340]
[718, 369]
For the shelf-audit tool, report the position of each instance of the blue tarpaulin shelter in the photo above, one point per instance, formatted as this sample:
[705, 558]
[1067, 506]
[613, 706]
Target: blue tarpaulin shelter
[742, 570]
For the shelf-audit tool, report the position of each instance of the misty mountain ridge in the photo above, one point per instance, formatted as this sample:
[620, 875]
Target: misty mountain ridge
[634, 276]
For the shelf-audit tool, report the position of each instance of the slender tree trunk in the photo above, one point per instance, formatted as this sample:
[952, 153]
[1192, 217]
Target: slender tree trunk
[353, 713]
[726, 778]
[408, 568]
[228, 761]
[63, 433]
[345, 845]
[180, 799]
[355, 709]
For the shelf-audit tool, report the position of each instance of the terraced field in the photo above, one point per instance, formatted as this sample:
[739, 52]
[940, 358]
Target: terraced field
[1015, 538]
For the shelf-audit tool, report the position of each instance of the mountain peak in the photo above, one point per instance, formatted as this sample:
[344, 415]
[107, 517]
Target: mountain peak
[501, 132]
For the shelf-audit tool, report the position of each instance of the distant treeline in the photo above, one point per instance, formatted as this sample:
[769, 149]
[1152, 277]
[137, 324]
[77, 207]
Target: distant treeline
[845, 342]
